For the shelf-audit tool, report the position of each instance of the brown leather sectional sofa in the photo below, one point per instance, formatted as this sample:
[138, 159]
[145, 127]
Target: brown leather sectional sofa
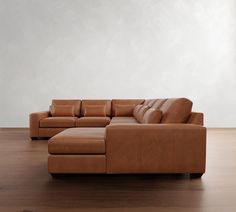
[122, 136]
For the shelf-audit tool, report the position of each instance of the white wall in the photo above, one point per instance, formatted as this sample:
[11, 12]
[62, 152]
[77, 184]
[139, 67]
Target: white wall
[117, 49]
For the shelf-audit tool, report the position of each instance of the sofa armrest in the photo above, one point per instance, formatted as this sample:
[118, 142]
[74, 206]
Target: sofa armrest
[196, 118]
[156, 148]
[34, 119]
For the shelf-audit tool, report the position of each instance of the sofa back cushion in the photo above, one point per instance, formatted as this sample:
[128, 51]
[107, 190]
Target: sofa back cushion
[140, 113]
[136, 109]
[95, 111]
[96, 102]
[176, 110]
[149, 102]
[158, 103]
[131, 103]
[124, 110]
[68, 102]
[152, 116]
[62, 110]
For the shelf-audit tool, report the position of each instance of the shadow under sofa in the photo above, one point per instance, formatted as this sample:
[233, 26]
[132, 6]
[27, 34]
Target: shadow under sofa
[129, 136]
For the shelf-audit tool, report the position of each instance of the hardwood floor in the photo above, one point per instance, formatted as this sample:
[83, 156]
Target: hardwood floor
[25, 184]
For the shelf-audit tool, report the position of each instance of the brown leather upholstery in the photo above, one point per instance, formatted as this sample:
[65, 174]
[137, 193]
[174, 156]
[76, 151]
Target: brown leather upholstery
[196, 118]
[149, 102]
[34, 120]
[158, 103]
[106, 103]
[141, 112]
[62, 110]
[78, 140]
[124, 110]
[125, 145]
[152, 116]
[77, 164]
[176, 110]
[132, 102]
[136, 110]
[75, 102]
[95, 111]
[173, 112]
[58, 122]
[50, 131]
[123, 120]
[155, 148]
[92, 121]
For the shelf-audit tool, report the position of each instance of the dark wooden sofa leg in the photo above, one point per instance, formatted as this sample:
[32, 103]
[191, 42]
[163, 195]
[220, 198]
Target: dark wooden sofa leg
[196, 175]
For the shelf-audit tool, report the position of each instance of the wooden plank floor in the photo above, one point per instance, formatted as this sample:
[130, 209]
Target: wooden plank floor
[25, 184]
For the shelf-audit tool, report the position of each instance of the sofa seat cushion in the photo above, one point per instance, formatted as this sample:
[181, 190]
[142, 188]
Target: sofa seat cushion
[58, 122]
[78, 141]
[92, 121]
[123, 120]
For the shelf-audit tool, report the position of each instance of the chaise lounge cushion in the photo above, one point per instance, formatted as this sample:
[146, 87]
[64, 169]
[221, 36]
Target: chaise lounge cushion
[123, 120]
[58, 122]
[78, 141]
[93, 121]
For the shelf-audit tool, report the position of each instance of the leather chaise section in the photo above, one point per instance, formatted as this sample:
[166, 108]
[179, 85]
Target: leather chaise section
[77, 164]
[78, 141]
